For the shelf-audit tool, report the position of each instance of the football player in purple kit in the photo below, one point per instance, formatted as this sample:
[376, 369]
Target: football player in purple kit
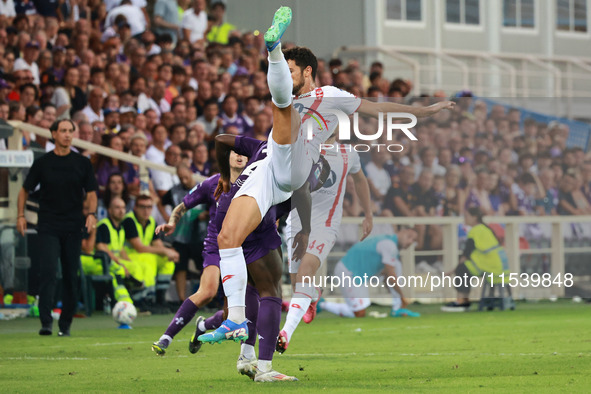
[262, 253]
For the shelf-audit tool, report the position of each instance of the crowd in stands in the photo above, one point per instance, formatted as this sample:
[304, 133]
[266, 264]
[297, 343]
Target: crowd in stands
[161, 83]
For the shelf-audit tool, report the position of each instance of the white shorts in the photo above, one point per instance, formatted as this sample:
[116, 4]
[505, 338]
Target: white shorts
[357, 298]
[288, 176]
[320, 244]
[274, 178]
[263, 185]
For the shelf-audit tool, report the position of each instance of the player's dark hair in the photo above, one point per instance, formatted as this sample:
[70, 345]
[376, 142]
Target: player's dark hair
[56, 124]
[303, 57]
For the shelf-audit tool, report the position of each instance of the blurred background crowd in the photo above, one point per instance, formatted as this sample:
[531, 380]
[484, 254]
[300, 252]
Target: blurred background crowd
[160, 80]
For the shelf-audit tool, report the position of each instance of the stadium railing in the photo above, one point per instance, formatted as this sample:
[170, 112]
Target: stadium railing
[15, 143]
[450, 253]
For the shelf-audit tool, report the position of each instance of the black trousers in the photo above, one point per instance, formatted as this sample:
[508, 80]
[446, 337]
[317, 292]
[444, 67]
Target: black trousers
[67, 248]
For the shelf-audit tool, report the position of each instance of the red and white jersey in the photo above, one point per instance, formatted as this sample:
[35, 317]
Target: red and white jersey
[327, 202]
[314, 108]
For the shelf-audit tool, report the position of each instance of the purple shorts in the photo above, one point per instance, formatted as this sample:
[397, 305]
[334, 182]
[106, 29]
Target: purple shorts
[252, 252]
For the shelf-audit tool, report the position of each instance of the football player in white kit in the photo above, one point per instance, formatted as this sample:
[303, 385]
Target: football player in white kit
[327, 211]
[273, 179]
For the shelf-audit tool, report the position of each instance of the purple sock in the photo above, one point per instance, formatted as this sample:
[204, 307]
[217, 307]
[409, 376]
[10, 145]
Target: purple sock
[268, 326]
[252, 313]
[213, 322]
[182, 317]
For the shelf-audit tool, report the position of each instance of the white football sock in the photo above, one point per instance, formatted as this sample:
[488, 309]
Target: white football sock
[247, 351]
[316, 295]
[276, 54]
[300, 301]
[279, 81]
[338, 309]
[201, 326]
[396, 302]
[265, 365]
[234, 278]
[166, 338]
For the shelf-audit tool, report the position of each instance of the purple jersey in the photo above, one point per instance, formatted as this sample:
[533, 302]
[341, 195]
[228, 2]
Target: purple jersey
[203, 194]
[265, 236]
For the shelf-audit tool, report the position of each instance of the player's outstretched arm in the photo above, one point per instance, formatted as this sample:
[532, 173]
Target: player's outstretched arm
[362, 190]
[390, 271]
[175, 216]
[373, 109]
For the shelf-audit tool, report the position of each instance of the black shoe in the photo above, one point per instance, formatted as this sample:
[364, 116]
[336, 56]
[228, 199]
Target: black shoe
[456, 307]
[45, 331]
[65, 333]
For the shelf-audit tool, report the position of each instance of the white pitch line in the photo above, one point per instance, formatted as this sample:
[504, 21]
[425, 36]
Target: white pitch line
[419, 354]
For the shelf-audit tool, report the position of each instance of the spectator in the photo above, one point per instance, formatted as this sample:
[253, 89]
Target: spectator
[94, 109]
[155, 152]
[423, 202]
[478, 194]
[377, 176]
[219, 31]
[29, 61]
[398, 198]
[210, 120]
[69, 99]
[111, 121]
[261, 127]
[143, 246]
[105, 166]
[178, 133]
[200, 164]
[546, 205]
[194, 22]
[230, 115]
[166, 19]
[182, 238]
[29, 94]
[60, 221]
[428, 156]
[133, 14]
[164, 181]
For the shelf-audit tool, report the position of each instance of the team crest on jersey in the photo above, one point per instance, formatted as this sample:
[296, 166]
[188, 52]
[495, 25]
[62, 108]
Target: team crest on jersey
[331, 180]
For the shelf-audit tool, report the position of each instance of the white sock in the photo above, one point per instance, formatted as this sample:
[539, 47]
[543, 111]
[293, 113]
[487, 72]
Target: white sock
[276, 54]
[201, 326]
[316, 295]
[265, 365]
[166, 338]
[338, 309]
[396, 303]
[279, 81]
[247, 351]
[300, 301]
[234, 278]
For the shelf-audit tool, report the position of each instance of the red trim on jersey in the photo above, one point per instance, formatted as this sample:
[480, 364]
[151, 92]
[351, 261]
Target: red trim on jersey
[340, 189]
[314, 105]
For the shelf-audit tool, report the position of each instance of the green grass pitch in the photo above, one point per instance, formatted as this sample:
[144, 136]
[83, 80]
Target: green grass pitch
[541, 347]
